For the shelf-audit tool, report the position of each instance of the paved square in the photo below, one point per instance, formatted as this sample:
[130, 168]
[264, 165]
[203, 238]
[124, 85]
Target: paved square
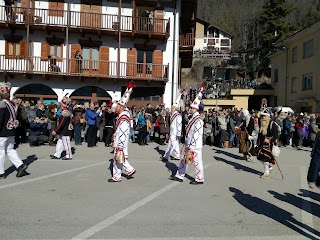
[72, 199]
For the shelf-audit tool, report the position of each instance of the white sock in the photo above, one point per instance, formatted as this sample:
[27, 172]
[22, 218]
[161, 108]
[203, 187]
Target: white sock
[266, 167]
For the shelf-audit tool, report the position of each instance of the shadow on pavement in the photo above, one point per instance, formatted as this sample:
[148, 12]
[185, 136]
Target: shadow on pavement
[298, 202]
[161, 152]
[238, 166]
[307, 193]
[228, 154]
[30, 159]
[270, 210]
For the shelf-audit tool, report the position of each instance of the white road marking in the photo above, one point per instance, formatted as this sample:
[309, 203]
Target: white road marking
[307, 217]
[109, 221]
[282, 237]
[50, 175]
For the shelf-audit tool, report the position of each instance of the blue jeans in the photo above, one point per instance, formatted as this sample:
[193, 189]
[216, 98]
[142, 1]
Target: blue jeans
[314, 168]
[222, 136]
[132, 137]
[231, 137]
[77, 133]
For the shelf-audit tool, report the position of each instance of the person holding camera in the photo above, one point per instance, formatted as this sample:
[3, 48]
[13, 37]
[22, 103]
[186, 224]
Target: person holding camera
[37, 132]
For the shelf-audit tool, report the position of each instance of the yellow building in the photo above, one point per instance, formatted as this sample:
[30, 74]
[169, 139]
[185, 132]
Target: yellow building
[296, 70]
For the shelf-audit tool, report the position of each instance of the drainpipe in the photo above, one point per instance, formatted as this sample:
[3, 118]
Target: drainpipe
[174, 50]
[119, 36]
[286, 89]
[67, 37]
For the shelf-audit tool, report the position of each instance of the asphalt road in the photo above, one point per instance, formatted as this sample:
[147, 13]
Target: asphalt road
[72, 199]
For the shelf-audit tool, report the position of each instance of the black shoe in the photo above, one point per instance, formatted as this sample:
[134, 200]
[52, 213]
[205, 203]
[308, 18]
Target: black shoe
[21, 170]
[65, 158]
[173, 158]
[3, 176]
[164, 159]
[174, 178]
[111, 180]
[146, 144]
[130, 176]
[195, 182]
[53, 157]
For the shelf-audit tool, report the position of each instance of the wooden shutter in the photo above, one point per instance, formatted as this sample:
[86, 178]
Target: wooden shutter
[6, 51]
[23, 48]
[85, 15]
[158, 21]
[74, 49]
[56, 9]
[25, 4]
[157, 59]
[96, 16]
[45, 51]
[131, 62]
[104, 57]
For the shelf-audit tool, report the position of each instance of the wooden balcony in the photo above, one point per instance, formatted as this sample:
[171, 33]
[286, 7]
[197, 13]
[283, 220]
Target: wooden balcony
[30, 66]
[186, 41]
[84, 22]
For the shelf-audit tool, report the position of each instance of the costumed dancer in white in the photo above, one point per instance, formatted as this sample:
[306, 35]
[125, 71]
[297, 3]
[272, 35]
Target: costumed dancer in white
[193, 145]
[8, 125]
[64, 130]
[175, 131]
[121, 138]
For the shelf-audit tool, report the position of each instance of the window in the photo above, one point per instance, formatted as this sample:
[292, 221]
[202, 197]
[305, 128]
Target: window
[146, 98]
[275, 101]
[275, 75]
[211, 41]
[90, 58]
[293, 84]
[144, 61]
[307, 82]
[225, 42]
[308, 49]
[55, 50]
[294, 55]
[155, 99]
[15, 49]
[51, 49]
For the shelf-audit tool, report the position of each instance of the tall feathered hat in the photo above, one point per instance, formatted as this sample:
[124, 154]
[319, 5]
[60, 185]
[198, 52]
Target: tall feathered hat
[198, 98]
[5, 87]
[64, 100]
[126, 96]
[177, 102]
[265, 112]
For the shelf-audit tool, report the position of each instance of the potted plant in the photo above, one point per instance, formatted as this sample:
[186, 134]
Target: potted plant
[226, 140]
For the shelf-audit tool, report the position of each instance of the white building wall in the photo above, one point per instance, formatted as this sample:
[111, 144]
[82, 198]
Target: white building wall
[110, 8]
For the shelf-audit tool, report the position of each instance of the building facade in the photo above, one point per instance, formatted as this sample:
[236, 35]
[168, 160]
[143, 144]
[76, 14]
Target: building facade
[296, 72]
[91, 49]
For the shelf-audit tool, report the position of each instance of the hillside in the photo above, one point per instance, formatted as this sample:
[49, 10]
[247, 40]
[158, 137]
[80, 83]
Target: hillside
[235, 15]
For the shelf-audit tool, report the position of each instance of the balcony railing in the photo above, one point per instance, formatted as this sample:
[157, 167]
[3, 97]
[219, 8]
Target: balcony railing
[186, 40]
[86, 68]
[82, 20]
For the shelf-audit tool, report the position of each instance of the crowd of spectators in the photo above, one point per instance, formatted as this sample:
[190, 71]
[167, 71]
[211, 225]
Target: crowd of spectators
[95, 122]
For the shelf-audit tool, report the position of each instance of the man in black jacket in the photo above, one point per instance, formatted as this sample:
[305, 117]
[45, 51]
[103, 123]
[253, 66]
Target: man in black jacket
[8, 125]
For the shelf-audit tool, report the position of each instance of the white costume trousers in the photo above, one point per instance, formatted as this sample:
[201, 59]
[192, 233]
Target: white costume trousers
[198, 165]
[116, 172]
[6, 148]
[63, 144]
[173, 145]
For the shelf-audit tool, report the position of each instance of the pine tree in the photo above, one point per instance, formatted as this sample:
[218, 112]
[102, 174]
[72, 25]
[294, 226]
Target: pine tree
[274, 27]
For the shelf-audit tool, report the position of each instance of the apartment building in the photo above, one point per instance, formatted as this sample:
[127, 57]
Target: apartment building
[296, 72]
[90, 49]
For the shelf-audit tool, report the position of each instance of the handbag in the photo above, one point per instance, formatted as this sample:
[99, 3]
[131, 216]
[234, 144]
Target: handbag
[276, 151]
[236, 131]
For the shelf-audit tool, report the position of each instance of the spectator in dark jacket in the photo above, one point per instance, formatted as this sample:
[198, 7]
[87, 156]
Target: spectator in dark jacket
[110, 118]
[91, 117]
[313, 130]
[37, 132]
[52, 122]
[77, 124]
